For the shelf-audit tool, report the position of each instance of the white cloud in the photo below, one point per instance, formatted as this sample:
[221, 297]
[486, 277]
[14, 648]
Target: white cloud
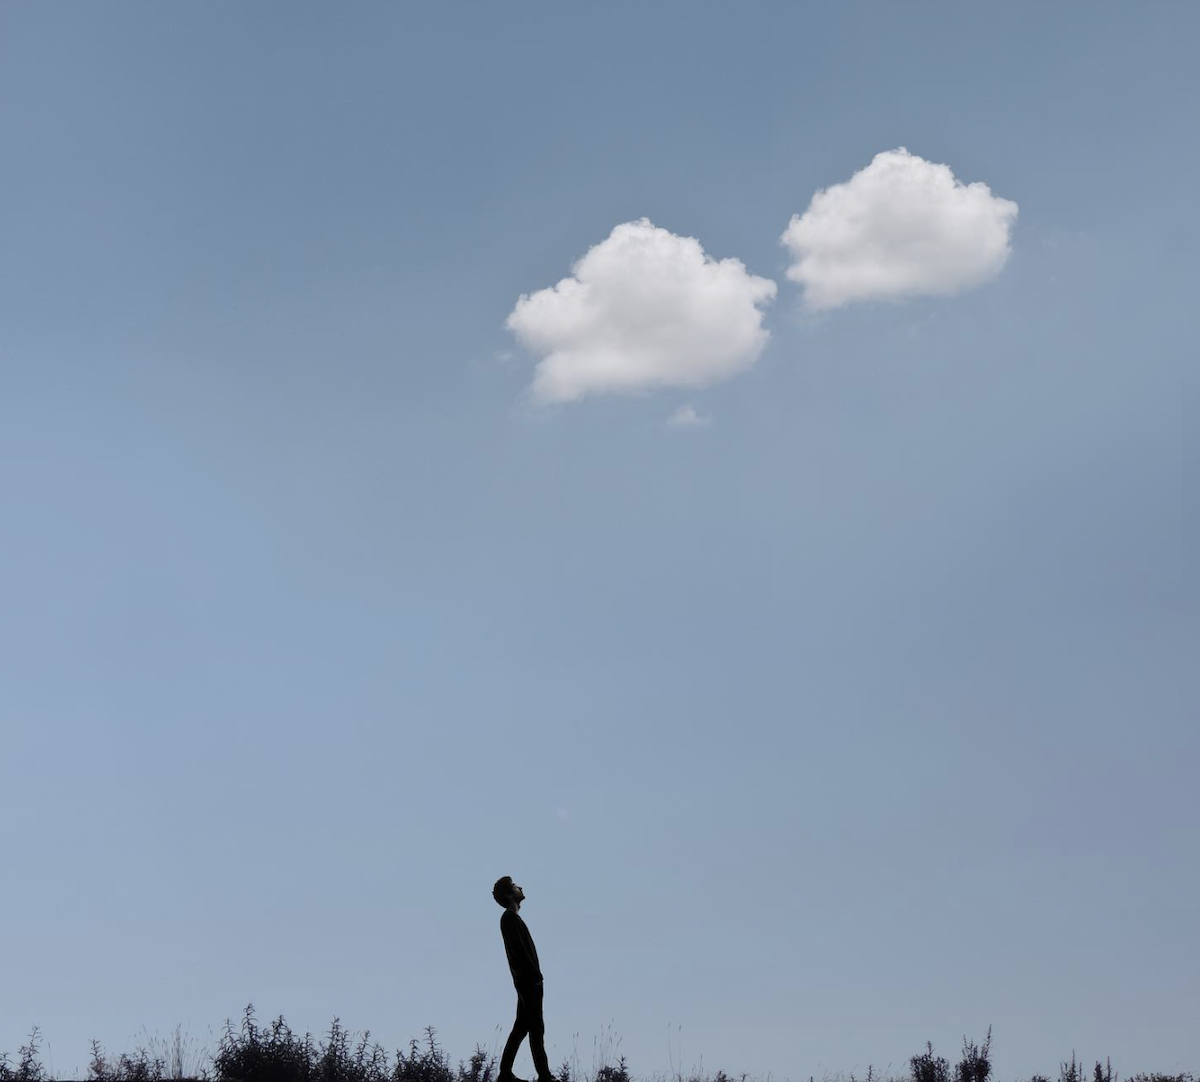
[687, 417]
[901, 227]
[643, 309]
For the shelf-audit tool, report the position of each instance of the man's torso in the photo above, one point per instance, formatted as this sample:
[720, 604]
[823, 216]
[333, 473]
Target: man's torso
[522, 954]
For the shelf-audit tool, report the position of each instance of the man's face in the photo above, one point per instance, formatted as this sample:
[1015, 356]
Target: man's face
[518, 894]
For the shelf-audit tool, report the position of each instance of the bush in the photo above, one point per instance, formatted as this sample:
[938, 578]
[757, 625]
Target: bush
[976, 1064]
[926, 1067]
[428, 1064]
[264, 1055]
[481, 1067]
[276, 1054]
[29, 1066]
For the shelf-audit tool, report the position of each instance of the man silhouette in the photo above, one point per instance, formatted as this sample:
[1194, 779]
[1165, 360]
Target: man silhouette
[527, 978]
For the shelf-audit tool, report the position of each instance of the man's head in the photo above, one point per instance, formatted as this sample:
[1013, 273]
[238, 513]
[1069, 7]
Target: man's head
[507, 893]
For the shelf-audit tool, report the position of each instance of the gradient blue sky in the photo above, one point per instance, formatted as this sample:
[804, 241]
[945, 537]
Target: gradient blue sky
[855, 718]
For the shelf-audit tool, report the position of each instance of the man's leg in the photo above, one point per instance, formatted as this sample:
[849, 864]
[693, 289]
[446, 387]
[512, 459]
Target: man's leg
[537, 1033]
[519, 1032]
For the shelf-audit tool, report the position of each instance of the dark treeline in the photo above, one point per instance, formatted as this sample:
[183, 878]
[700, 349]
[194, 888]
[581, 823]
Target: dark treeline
[273, 1053]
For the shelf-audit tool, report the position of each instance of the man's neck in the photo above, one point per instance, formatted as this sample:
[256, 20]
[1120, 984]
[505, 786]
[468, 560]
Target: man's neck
[514, 907]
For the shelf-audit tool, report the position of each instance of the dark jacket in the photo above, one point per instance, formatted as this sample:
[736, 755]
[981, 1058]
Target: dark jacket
[522, 954]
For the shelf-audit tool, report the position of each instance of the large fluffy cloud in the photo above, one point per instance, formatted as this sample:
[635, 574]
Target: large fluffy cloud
[901, 227]
[643, 309]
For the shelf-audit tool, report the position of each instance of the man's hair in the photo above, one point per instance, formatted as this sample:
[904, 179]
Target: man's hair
[502, 891]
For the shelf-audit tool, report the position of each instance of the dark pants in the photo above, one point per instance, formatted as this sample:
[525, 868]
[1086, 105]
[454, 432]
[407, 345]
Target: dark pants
[529, 1024]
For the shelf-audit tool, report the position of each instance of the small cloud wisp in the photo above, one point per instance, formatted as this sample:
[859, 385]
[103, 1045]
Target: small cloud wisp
[687, 417]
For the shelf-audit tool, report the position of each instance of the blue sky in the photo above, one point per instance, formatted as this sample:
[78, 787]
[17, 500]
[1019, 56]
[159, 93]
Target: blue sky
[853, 716]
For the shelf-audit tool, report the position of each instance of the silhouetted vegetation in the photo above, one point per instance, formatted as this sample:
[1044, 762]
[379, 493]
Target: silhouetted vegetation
[976, 1062]
[29, 1067]
[251, 1052]
[926, 1067]
[276, 1054]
